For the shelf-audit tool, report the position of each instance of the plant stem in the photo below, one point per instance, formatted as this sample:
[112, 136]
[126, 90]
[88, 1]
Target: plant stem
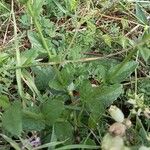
[136, 79]
[18, 63]
[38, 28]
[82, 60]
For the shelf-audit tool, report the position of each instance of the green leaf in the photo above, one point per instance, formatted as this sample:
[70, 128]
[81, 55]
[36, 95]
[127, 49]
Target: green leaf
[97, 99]
[93, 120]
[100, 68]
[23, 1]
[62, 79]
[42, 73]
[108, 94]
[145, 53]
[140, 15]
[32, 124]
[25, 21]
[63, 131]
[59, 6]
[29, 80]
[37, 7]
[28, 57]
[12, 119]
[3, 57]
[100, 95]
[35, 41]
[55, 84]
[4, 101]
[144, 50]
[117, 74]
[123, 41]
[73, 4]
[102, 98]
[86, 91]
[107, 39]
[52, 110]
[33, 120]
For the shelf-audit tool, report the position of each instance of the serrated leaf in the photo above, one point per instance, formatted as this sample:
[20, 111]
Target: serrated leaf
[35, 41]
[58, 4]
[73, 4]
[25, 21]
[37, 7]
[32, 124]
[103, 97]
[28, 57]
[54, 83]
[52, 110]
[42, 73]
[97, 99]
[63, 131]
[117, 74]
[108, 94]
[140, 15]
[86, 91]
[62, 79]
[100, 68]
[12, 119]
[33, 119]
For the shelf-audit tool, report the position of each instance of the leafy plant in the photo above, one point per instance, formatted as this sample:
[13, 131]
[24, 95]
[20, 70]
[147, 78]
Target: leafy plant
[63, 64]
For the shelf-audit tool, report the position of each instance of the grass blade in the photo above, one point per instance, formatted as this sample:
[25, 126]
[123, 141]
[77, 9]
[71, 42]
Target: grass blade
[75, 146]
[12, 142]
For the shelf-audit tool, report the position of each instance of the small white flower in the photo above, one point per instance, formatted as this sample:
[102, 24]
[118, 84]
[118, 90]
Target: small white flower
[127, 123]
[112, 142]
[116, 113]
[147, 113]
[144, 148]
[71, 87]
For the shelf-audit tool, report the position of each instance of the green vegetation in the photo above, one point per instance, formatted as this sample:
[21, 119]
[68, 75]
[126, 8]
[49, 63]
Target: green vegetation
[74, 74]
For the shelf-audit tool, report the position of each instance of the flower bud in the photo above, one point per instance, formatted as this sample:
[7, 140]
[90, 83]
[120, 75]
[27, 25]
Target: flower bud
[116, 113]
[110, 142]
[127, 123]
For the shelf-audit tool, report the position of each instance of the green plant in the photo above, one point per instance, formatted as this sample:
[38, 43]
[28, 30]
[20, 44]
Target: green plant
[66, 63]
